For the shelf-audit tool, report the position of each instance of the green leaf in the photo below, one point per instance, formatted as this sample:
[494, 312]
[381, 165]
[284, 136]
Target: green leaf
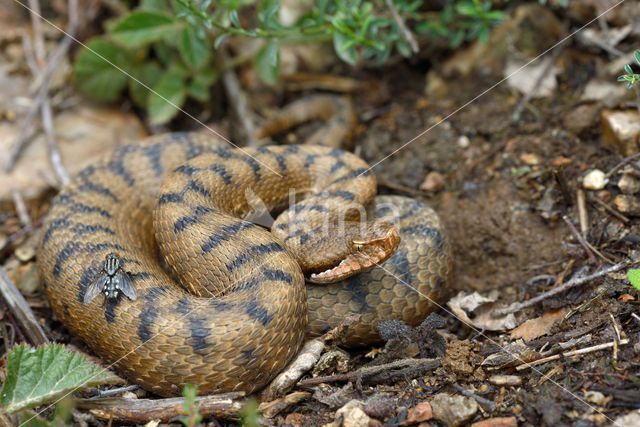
[199, 87]
[147, 74]
[156, 5]
[220, 39]
[234, 18]
[143, 27]
[168, 97]
[636, 55]
[633, 274]
[344, 48]
[193, 49]
[627, 69]
[268, 63]
[96, 70]
[39, 375]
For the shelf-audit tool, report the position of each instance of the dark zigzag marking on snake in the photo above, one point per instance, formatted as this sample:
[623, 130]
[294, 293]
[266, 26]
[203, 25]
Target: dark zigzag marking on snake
[358, 292]
[252, 253]
[309, 160]
[279, 275]
[401, 265]
[149, 312]
[282, 163]
[254, 165]
[154, 153]
[426, 231]
[73, 248]
[356, 173]
[197, 327]
[221, 171]
[182, 223]
[346, 195]
[79, 207]
[91, 187]
[224, 234]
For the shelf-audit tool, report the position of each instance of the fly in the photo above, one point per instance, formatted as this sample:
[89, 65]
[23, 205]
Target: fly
[112, 281]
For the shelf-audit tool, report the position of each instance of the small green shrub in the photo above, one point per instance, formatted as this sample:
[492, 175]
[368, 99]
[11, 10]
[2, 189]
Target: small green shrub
[167, 45]
[631, 78]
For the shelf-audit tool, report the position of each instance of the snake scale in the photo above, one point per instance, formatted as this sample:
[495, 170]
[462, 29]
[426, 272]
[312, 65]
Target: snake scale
[222, 302]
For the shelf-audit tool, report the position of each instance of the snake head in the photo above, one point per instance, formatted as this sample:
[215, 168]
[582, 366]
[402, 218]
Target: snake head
[368, 248]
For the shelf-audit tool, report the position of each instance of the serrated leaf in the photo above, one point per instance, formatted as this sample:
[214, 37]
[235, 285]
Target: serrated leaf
[96, 70]
[268, 63]
[146, 74]
[168, 96]
[39, 375]
[633, 275]
[143, 27]
[193, 49]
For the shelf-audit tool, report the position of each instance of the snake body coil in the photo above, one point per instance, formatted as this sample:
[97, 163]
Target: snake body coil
[221, 302]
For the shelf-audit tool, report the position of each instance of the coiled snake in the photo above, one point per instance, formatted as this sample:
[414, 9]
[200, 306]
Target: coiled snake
[243, 310]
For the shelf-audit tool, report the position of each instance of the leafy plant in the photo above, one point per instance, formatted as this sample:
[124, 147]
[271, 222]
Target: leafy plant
[192, 417]
[39, 375]
[631, 77]
[633, 275]
[250, 415]
[162, 51]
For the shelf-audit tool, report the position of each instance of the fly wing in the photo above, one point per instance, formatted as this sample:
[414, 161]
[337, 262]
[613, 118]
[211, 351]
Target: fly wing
[94, 289]
[126, 285]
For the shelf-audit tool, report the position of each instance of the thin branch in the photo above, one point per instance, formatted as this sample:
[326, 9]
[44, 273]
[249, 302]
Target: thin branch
[21, 209]
[21, 310]
[582, 351]
[559, 289]
[406, 33]
[587, 246]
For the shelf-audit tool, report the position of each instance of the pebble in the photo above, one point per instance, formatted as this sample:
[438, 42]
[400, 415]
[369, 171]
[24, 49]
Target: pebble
[621, 130]
[25, 252]
[629, 184]
[595, 397]
[594, 180]
[453, 410]
[352, 415]
[331, 362]
[530, 159]
[421, 412]
[379, 406]
[434, 181]
[627, 204]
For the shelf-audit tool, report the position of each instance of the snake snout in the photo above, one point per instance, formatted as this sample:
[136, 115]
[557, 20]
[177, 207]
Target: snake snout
[372, 247]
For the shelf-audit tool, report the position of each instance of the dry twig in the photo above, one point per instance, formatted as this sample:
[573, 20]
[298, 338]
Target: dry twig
[559, 289]
[239, 103]
[224, 406]
[21, 310]
[379, 373]
[588, 247]
[406, 33]
[566, 354]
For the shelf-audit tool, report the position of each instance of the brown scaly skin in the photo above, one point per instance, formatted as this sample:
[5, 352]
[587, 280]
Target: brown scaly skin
[168, 336]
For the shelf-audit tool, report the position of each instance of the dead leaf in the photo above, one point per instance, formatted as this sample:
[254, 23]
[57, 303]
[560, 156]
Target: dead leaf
[477, 310]
[534, 328]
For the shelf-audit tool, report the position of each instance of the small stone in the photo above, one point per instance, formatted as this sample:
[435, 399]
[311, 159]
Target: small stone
[463, 141]
[582, 119]
[594, 180]
[595, 397]
[497, 422]
[561, 162]
[453, 410]
[627, 204]
[25, 252]
[379, 406]
[434, 182]
[421, 412]
[530, 159]
[352, 415]
[631, 419]
[505, 380]
[331, 362]
[629, 184]
[295, 419]
[621, 130]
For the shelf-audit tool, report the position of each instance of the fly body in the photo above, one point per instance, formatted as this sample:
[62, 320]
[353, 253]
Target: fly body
[111, 281]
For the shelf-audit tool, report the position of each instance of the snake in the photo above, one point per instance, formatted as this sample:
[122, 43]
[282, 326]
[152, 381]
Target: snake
[221, 301]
